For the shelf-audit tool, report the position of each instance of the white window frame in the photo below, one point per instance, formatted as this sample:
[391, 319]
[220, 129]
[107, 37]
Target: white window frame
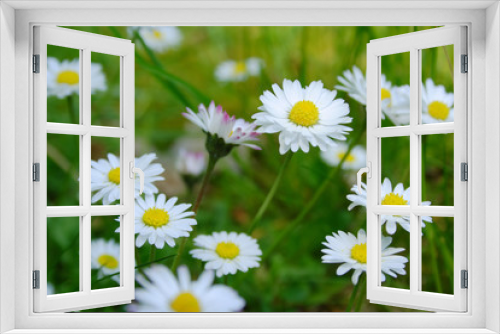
[85, 43]
[484, 103]
[413, 44]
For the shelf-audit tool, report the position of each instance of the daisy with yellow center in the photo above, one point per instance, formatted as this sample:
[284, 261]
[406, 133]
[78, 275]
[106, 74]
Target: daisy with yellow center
[159, 221]
[161, 291]
[389, 196]
[354, 161]
[437, 104]
[159, 39]
[106, 177]
[303, 116]
[351, 252]
[227, 253]
[105, 257]
[395, 100]
[234, 71]
[63, 77]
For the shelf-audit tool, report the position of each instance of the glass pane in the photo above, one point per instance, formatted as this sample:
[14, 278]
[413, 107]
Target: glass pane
[437, 254]
[105, 249]
[437, 81]
[437, 169]
[105, 87]
[395, 254]
[63, 85]
[63, 255]
[395, 171]
[63, 157]
[106, 171]
[395, 89]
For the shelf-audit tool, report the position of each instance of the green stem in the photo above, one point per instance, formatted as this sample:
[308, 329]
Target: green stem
[361, 297]
[152, 253]
[182, 245]
[71, 109]
[434, 263]
[271, 193]
[139, 266]
[319, 192]
[158, 64]
[352, 298]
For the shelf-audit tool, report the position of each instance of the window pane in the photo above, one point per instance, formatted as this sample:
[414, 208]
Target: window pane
[437, 254]
[63, 85]
[395, 253]
[395, 171]
[63, 156]
[395, 89]
[105, 257]
[437, 169]
[106, 171]
[63, 255]
[105, 87]
[437, 89]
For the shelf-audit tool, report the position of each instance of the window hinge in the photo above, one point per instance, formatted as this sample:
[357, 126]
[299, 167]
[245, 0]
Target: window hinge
[36, 172]
[464, 171]
[465, 279]
[36, 279]
[465, 64]
[36, 63]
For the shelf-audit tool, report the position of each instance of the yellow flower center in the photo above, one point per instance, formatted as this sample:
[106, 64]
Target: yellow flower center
[114, 175]
[157, 34]
[304, 113]
[68, 77]
[108, 261]
[358, 253]
[227, 250]
[185, 302]
[394, 199]
[350, 157]
[240, 67]
[438, 110]
[385, 94]
[155, 217]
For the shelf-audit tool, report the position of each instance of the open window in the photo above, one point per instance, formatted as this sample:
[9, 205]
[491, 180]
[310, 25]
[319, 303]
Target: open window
[74, 80]
[418, 212]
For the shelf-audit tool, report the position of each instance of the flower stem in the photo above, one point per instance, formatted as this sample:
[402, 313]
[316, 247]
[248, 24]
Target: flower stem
[271, 193]
[152, 253]
[319, 192]
[71, 109]
[212, 160]
[362, 293]
[353, 297]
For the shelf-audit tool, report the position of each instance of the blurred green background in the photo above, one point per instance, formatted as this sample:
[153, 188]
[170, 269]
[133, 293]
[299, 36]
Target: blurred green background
[293, 279]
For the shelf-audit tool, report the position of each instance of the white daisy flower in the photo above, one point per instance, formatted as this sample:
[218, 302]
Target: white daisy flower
[159, 221]
[395, 100]
[105, 175]
[215, 121]
[231, 70]
[105, 256]
[162, 292]
[437, 104]
[190, 162]
[227, 252]
[351, 251]
[397, 196]
[159, 39]
[354, 161]
[63, 77]
[303, 116]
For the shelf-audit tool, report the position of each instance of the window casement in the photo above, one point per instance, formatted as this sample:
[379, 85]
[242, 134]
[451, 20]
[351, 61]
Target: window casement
[412, 133]
[80, 214]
